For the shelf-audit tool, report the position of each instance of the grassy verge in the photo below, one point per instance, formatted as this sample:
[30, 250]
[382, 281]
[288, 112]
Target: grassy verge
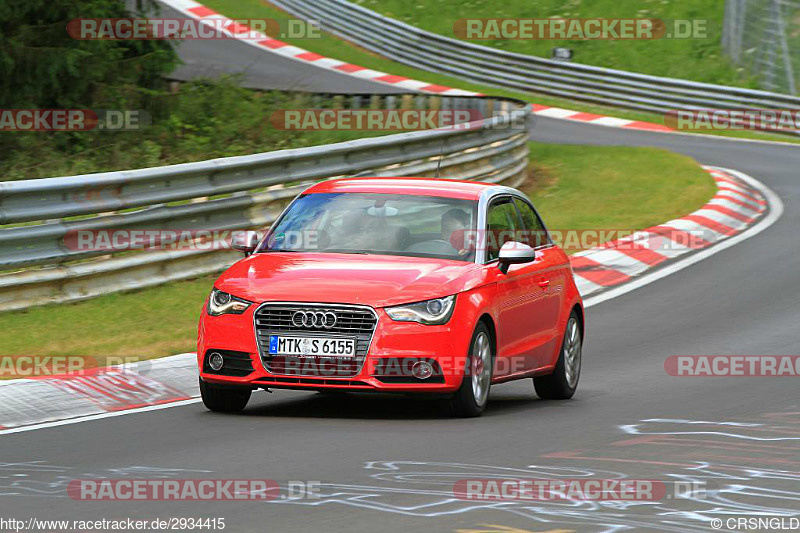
[699, 59]
[205, 119]
[573, 187]
[331, 46]
[591, 187]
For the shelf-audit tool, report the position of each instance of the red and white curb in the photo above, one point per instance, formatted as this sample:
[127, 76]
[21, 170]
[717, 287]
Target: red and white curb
[598, 120]
[144, 385]
[735, 207]
[198, 11]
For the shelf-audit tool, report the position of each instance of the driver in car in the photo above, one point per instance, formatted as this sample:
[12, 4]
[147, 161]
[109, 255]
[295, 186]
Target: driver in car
[454, 224]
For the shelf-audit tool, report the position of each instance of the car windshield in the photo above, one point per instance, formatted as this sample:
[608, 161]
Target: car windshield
[386, 224]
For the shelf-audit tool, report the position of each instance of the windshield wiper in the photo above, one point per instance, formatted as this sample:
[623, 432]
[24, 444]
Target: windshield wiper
[343, 251]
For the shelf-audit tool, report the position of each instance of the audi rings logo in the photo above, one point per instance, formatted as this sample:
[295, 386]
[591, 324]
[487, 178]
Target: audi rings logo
[314, 319]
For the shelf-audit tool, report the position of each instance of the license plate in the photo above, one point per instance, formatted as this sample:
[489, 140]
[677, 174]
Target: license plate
[311, 346]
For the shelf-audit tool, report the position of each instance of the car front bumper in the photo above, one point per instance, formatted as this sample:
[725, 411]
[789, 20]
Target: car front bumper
[388, 365]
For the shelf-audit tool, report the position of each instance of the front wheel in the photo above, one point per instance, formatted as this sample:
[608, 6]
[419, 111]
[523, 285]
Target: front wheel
[563, 382]
[221, 399]
[472, 396]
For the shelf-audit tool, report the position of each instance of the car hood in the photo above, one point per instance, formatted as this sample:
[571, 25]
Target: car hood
[374, 280]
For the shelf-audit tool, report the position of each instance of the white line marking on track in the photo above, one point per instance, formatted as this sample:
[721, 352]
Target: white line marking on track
[99, 416]
[612, 121]
[557, 112]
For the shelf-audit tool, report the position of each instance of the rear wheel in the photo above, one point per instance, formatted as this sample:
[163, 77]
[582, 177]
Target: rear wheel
[222, 399]
[473, 394]
[563, 382]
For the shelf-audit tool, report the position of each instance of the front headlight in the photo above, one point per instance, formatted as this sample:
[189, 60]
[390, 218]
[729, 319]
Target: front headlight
[222, 303]
[430, 312]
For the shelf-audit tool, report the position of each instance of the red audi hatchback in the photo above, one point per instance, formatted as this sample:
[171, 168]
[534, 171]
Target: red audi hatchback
[407, 285]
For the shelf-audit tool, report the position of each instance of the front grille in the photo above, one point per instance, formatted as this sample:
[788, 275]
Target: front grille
[354, 322]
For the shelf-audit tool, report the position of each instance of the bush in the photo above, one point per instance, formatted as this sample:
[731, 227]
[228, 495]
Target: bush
[205, 119]
[43, 67]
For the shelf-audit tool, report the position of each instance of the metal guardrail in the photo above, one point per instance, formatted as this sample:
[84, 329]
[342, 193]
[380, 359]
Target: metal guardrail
[490, 66]
[232, 193]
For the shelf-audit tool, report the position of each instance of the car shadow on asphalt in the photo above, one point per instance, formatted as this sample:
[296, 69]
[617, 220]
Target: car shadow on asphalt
[378, 406]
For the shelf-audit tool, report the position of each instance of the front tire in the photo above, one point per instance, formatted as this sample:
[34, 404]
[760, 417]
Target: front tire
[472, 396]
[563, 382]
[221, 399]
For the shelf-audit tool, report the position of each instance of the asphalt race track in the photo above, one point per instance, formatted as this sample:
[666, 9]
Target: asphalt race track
[389, 464]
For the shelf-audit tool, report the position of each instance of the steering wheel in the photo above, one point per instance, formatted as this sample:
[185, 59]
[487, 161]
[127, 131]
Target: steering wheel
[433, 246]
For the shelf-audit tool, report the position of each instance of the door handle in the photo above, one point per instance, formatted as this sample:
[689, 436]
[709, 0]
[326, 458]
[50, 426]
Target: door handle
[544, 283]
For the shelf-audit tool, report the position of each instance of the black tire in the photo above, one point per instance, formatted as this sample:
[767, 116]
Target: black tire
[221, 399]
[560, 385]
[464, 402]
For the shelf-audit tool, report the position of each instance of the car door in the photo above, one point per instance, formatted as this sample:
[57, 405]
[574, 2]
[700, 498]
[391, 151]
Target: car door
[521, 329]
[550, 282]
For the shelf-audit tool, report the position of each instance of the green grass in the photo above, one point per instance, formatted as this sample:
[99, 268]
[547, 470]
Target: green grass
[331, 46]
[699, 59]
[573, 187]
[145, 323]
[590, 187]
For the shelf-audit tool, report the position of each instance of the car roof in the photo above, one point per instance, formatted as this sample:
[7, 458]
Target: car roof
[447, 188]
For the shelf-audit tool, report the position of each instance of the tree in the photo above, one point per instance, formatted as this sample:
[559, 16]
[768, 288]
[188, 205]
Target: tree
[41, 66]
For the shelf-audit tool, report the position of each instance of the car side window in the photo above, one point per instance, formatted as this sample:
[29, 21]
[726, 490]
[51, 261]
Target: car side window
[535, 234]
[502, 223]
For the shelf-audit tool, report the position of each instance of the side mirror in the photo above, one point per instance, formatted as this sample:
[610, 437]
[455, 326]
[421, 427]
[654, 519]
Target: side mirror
[245, 241]
[513, 253]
